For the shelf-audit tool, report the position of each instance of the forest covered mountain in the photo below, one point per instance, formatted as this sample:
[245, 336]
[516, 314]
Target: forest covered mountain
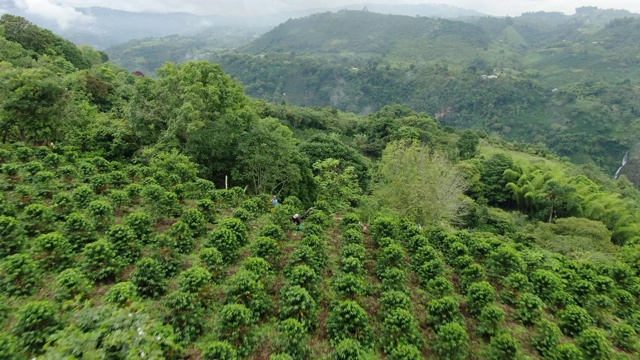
[104, 27]
[138, 221]
[566, 81]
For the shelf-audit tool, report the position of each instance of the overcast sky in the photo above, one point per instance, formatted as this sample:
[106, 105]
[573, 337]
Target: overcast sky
[63, 11]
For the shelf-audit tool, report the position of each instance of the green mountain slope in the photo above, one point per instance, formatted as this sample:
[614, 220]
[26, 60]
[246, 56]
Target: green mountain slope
[589, 120]
[147, 55]
[366, 34]
[155, 218]
[566, 81]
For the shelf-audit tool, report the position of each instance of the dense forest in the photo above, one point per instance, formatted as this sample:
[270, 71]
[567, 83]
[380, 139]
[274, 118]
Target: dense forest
[152, 218]
[566, 81]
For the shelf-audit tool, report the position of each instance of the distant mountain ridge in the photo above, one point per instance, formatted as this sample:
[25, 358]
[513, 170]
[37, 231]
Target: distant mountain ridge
[363, 33]
[568, 81]
[111, 27]
[430, 10]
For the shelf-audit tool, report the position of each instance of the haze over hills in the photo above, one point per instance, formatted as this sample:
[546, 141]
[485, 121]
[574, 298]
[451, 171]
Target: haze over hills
[367, 34]
[430, 10]
[109, 27]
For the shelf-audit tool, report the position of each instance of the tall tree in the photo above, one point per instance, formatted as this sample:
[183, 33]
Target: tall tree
[559, 198]
[188, 98]
[468, 144]
[321, 147]
[32, 104]
[421, 184]
[338, 187]
[493, 177]
[268, 159]
[199, 109]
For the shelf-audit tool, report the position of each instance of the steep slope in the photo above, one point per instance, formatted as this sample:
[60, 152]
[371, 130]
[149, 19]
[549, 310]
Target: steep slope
[367, 34]
[147, 55]
[567, 81]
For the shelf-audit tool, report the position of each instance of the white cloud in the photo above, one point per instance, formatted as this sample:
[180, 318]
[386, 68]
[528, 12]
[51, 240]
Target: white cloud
[63, 8]
[517, 7]
[63, 14]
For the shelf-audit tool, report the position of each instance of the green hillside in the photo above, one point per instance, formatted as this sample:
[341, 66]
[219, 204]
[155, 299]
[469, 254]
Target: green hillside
[146, 55]
[566, 81]
[592, 121]
[569, 82]
[366, 34]
[137, 221]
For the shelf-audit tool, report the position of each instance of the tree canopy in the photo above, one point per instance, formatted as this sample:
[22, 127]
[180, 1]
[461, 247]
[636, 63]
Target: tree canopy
[420, 183]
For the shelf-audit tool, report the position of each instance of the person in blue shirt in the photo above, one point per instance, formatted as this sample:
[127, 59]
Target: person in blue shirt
[274, 201]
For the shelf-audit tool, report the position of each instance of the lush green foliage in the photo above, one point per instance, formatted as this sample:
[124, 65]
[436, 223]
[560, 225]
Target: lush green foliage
[594, 344]
[443, 311]
[293, 339]
[194, 280]
[452, 342]
[185, 315]
[100, 261]
[574, 320]
[347, 320]
[298, 304]
[36, 321]
[72, 284]
[111, 243]
[20, 275]
[503, 346]
[219, 350]
[122, 293]
[419, 184]
[234, 326]
[530, 308]
[491, 319]
[149, 278]
[226, 241]
[479, 295]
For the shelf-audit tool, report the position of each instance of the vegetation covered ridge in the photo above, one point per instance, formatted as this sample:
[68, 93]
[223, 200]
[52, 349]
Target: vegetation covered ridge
[137, 220]
[565, 81]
